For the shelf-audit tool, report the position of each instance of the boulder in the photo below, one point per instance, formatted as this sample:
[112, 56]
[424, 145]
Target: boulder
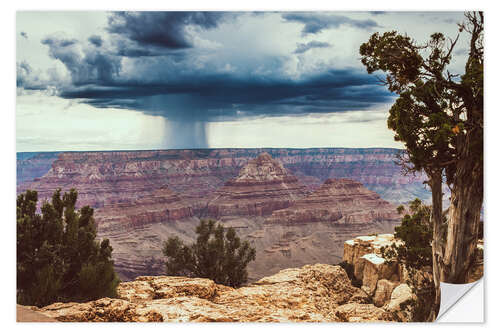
[401, 294]
[383, 292]
[376, 268]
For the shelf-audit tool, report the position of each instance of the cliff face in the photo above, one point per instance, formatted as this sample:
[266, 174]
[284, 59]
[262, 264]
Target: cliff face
[121, 176]
[314, 293]
[262, 186]
[342, 201]
[33, 165]
[163, 205]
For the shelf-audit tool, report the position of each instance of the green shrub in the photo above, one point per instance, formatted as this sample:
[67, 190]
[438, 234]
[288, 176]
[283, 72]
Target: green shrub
[58, 257]
[217, 254]
[415, 253]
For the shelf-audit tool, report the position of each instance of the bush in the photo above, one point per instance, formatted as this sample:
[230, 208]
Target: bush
[217, 254]
[415, 253]
[58, 257]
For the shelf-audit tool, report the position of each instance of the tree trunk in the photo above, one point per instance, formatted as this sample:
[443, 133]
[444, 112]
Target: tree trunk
[464, 215]
[436, 183]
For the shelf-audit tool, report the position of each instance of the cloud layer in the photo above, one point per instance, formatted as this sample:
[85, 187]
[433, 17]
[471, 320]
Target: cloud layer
[197, 67]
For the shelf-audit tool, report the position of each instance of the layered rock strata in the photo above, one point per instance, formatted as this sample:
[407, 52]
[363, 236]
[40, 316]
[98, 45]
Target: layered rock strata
[31, 166]
[121, 176]
[343, 201]
[313, 293]
[163, 205]
[262, 186]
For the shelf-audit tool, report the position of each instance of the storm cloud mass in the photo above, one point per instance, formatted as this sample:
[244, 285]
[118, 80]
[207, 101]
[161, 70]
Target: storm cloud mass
[192, 68]
[315, 23]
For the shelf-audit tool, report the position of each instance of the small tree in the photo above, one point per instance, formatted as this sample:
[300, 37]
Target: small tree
[217, 254]
[416, 254]
[58, 258]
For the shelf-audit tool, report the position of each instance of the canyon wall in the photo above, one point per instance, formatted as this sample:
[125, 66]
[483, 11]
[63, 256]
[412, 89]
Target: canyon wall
[121, 176]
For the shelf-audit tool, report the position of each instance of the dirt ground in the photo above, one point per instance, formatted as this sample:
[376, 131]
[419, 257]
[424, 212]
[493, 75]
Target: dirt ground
[24, 314]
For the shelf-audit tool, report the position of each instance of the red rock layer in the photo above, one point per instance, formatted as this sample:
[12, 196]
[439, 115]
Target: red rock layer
[262, 187]
[125, 176]
[338, 200]
[162, 206]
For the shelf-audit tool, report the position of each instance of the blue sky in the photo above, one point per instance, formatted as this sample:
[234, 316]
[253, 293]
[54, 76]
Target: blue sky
[152, 80]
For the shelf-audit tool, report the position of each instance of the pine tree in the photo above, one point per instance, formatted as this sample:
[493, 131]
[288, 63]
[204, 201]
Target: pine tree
[217, 254]
[58, 257]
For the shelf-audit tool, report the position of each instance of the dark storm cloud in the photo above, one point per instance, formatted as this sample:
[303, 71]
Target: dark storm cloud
[86, 66]
[149, 64]
[314, 23]
[96, 40]
[302, 48]
[224, 96]
[170, 83]
[161, 29]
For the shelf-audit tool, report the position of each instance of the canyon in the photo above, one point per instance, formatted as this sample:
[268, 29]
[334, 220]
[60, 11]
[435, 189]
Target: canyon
[111, 176]
[144, 197]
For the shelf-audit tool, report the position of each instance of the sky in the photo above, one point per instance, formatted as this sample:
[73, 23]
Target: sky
[157, 80]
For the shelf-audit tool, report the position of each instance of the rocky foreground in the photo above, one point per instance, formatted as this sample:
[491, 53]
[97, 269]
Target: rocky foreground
[312, 293]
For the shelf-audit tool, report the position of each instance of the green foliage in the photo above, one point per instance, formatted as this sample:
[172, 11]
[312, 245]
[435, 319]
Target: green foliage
[416, 234]
[438, 116]
[217, 254]
[416, 254]
[58, 258]
[349, 269]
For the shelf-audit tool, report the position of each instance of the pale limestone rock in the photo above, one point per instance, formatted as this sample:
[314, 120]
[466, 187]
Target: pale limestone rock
[361, 313]
[376, 268]
[315, 293]
[355, 249]
[383, 292]
[400, 294]
[174, 286]
[135, 291]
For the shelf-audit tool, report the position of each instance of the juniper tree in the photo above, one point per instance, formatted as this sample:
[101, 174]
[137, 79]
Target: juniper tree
[439, 118]
[58, 256]
[217, 254]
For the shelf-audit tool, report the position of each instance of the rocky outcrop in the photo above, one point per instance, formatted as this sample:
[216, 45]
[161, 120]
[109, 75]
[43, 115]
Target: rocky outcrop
[342, 201]
[262, 186]
[384, 281]
[313, 293]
